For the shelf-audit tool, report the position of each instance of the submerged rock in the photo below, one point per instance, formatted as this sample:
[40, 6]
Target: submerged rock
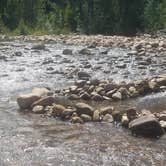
[67, 52]
[146, 126]
[40, 46]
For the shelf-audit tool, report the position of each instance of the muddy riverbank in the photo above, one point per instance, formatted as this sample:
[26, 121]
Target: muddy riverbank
[28, 139]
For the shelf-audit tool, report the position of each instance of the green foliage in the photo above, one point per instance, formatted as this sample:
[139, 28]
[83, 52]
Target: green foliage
[124, 17]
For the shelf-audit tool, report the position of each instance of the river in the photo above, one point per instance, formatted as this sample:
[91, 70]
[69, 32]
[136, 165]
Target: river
[31, 140]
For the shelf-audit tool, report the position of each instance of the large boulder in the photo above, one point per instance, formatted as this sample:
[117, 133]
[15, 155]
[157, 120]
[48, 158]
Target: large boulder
[25, 101]
[82, 108]
[146, 126]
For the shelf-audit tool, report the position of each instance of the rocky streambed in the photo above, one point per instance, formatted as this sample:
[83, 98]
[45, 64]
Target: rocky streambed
[57, 63]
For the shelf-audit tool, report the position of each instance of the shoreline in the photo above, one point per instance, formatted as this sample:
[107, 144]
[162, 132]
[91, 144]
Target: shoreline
[139, 44]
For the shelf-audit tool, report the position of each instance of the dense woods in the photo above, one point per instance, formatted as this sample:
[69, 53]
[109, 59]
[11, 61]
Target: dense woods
[86, 16]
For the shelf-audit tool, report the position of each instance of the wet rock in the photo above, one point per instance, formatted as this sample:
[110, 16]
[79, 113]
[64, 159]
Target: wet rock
[132, 53]
[68, 52]
[82, 75]
[39, 46]
[57, 110]
[125, 120]
[18, 53]
[66, 113]
[25, 101]
[106, 110]
[96, 96]
[82, 108]
[45, 101]
[96, 116]
[121, 66]
[108, 118]
[111, 92]
[3, 58]
[86, 118]
[146, 126]
[38, 109]
[73, 97]
[161, 81]
[85, 96]
[76, 119]
[131, 114]
[117, 96]
[85, 51]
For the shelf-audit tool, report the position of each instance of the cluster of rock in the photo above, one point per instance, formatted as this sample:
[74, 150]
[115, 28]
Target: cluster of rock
[96, 90]
[139, 45]
[42, 101]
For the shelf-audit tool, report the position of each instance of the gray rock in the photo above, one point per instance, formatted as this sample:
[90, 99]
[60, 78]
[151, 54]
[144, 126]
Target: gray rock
[96, 116]
[68, 52]
[76, 119]
[86, 118]
[108, 118]
[40, 46]
[85, 51]
[117, 96]
[82, 75]
[146, 126]
[25, 101]
[82, 108]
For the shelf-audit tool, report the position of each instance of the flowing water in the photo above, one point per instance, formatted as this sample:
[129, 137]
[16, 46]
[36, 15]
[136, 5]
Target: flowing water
[30, 140]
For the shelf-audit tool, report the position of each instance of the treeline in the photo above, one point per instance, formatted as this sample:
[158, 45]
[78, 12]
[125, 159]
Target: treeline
[124, 17]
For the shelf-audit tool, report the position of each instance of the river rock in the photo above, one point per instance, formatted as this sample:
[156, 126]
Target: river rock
[131, 114]
[85, 96]
[68, 52]
[117, 96]
[86, 118]
[83, 74]
[108, 118]
[85, 51]
[45, 101]
[76, 119]
[146, 126]
[106, 110]
[66, 113]
[38, 109]
[125, 120]
[96, 116]
[57, 110]
[39, 46]
[25, 101]
[96, 96]
[82, 108]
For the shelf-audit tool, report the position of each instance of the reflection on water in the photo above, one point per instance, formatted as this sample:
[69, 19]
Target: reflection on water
[27, 139]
